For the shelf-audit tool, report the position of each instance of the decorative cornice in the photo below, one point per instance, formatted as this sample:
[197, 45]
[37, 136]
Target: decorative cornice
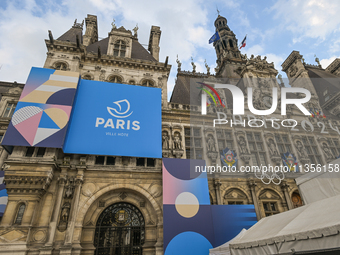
[291, 58]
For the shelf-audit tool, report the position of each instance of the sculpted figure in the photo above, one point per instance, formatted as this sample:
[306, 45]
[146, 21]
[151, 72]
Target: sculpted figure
[243, 145]
[211, 144]
[177, 141]
[165, 140]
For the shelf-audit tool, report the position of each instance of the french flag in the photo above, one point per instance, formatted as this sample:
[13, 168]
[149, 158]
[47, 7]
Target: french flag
[243, 43]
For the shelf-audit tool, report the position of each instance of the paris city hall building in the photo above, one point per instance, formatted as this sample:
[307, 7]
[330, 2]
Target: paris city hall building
[77, 204]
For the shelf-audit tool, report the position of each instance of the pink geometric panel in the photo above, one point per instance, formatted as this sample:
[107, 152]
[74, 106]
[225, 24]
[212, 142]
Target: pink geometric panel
[29, 127]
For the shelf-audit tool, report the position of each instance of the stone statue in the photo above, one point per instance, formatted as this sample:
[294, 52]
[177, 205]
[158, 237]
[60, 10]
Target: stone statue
[301, 150]
[243, 145]
[165, 140]
[206, 65]
[179, 64]
[272, 148]
[113, 24]
[193, 65]
[135, 30]
[327, 151]
[317, 60]
[65, 212]
[211, 144]
[177, 145]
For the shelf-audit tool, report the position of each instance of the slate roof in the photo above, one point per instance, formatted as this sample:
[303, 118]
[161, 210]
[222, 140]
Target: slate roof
[138, 51]
[322, 81]
[70, 35]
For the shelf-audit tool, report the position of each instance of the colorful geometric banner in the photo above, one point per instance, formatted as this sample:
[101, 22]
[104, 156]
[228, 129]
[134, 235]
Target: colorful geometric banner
[44, 108]
[3, 194]
[107, 118]
[191, 224]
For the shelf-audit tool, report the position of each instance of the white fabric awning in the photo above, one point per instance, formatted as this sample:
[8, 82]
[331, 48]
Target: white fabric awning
[321, 184]
[314, 226]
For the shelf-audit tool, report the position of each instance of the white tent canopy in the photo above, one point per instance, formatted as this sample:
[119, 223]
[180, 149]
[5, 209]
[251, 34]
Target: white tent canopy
[307, 228]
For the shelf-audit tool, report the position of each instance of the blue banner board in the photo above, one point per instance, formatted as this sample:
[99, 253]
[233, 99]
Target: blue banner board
[115, 119]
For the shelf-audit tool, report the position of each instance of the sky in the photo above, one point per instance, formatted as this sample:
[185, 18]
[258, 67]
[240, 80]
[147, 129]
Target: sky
[274, 29]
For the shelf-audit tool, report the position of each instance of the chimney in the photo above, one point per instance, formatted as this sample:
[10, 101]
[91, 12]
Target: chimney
[155, 36]
[91, 33]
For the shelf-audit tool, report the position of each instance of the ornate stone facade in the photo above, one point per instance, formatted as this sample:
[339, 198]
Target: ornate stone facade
[64, 196]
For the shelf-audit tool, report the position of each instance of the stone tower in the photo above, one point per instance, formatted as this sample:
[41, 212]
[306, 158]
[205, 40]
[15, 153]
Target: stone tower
[228, 55]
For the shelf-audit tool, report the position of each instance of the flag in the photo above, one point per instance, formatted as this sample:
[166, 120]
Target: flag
[243, 43]
[214, 38]
[312, 113]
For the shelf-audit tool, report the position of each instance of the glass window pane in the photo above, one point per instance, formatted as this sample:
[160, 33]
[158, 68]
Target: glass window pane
[110, 160]
[228, 135]
[100, 160]
[199, 154]
[140, 161]
[252, 147]
[281, 148]
[41, 152]
[315, 150]
[29, 152]
[221, 144]
[249, 137]
[198, 142]
[187, 131]
[150, 162]
[259, 146]
[263, 159]
[254, 159]
[187, 141]
[285, 139]
[20, 214]
[230, 144]
[308, 150]
[277, 138]
[196, 132]
[257, 137]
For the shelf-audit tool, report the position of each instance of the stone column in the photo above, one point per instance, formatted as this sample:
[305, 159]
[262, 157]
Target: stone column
[252, 184]
[217, 186]
[3, 157]
[56, 210]
[285, 186]
[74, 208]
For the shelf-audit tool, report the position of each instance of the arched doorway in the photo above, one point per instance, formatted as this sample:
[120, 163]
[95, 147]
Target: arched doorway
[120, 230]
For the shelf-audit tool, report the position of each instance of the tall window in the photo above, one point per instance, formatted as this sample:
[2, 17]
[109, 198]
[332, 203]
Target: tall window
[35, 152]
[270, 208]
[256, 149]
[119, 49]
[115, 79]
[105, 160]
[193, 143]
[283, 143]
[334, 145]
[60, 66]
[9, 110]
[224, 139]
[20, 214]
[312, 150]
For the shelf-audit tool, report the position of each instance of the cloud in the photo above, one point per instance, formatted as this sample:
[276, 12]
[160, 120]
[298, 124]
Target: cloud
[326, 62]
[312, 18]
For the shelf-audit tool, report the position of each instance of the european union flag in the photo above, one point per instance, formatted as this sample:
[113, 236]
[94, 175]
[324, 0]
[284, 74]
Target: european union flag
[214, 38]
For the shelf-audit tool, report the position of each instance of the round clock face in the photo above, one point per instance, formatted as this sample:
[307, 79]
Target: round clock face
[268, 101]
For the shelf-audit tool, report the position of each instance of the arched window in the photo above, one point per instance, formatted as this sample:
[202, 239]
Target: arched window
[86, 77]
[119, 49]
[120, 229]
[115, 79]
[132, 82]
[60, 66]
[148, 83]
[20, 214]
[231, 43]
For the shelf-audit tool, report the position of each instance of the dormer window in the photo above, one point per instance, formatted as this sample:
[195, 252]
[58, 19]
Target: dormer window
[115, 79]
[60, 66]
[119, 49]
